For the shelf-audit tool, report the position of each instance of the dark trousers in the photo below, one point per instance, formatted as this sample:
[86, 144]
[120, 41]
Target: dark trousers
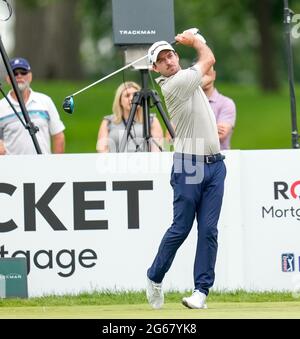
[198, 192]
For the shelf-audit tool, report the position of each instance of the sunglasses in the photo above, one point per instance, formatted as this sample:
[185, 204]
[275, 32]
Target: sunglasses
[20, 72]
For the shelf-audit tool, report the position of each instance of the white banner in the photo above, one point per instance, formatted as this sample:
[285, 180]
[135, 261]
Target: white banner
[94, 221]
[270, 190]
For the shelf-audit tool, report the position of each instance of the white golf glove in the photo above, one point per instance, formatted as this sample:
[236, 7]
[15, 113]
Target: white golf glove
[195, 31]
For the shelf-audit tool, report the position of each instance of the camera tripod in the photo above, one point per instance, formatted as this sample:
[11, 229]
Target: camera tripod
[142, 98]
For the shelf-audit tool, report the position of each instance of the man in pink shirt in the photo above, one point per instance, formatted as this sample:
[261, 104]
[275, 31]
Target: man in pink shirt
[224, 110]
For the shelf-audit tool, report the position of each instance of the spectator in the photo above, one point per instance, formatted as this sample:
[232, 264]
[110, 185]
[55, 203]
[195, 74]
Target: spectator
[14, 138]
[223, 108]
[113, 126]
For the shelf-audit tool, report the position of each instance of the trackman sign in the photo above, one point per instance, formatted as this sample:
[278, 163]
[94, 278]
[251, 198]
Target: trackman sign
[138, 32]
[284, 191]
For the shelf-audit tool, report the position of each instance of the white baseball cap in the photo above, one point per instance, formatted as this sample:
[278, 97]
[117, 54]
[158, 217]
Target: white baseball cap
[156, 48]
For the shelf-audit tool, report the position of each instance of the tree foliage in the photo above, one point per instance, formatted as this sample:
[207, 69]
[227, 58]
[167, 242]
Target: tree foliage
[48, 33]
[246, 36]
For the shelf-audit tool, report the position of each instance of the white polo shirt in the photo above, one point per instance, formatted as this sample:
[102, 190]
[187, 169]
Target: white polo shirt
[190, 112]
[42, 113]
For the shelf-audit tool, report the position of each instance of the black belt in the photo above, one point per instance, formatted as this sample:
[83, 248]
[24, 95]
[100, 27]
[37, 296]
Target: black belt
[208, 159]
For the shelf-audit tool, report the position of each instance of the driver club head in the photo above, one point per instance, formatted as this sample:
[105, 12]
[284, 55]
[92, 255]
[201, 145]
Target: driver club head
[68, 104]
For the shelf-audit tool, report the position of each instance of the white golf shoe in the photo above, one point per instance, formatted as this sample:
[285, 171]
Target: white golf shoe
[196, 300]
[155, 294]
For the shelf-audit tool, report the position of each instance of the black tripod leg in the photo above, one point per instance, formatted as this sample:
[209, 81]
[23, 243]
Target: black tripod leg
[157, 103]
[156, 144]
[146, 119]
[135, 102]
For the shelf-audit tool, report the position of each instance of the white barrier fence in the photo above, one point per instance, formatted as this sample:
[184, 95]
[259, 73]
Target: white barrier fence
[94, 221]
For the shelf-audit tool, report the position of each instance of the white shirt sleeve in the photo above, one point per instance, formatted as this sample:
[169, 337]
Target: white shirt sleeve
[55, 124]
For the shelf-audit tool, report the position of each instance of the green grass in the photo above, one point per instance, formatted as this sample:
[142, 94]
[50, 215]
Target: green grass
[138, 297]
[265, 310]
[263, 120]
[133, 305]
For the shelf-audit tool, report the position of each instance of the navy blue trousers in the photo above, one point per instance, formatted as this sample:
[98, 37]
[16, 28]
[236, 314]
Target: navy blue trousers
[198, 192]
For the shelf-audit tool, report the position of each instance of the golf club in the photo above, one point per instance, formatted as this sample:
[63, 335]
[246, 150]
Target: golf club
[68, 104]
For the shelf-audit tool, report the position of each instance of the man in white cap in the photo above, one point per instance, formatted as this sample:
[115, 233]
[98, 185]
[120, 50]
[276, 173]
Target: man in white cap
[14, 138]
[198, 171]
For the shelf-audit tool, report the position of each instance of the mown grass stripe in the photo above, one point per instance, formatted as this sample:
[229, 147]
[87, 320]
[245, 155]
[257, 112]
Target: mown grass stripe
[106, 297]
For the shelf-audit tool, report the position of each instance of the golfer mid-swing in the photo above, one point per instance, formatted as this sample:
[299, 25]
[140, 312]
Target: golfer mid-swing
[198, 170]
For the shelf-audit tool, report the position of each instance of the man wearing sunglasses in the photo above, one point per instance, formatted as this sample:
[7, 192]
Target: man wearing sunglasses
[14, 138]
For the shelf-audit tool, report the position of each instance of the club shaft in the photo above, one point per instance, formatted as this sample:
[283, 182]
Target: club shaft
[109, 75]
